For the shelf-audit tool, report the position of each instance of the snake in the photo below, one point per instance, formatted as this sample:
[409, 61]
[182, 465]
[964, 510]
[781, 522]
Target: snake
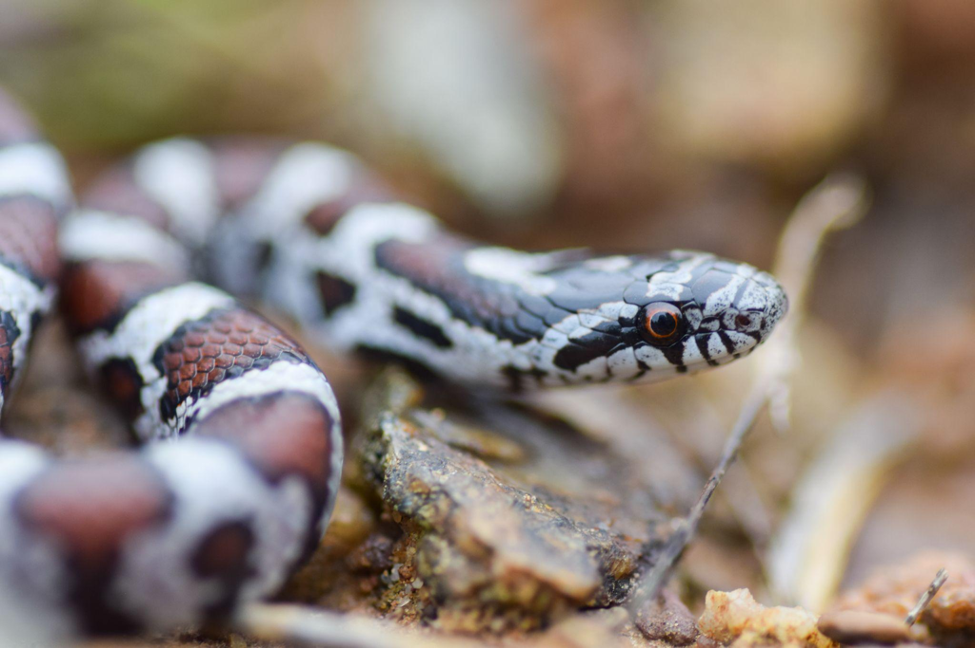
[240, 437]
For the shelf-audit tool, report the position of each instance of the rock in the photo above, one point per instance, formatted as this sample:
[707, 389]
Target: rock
[894, 590]
[530, 536]
[667, 619]
[852, 627]
[735, 619]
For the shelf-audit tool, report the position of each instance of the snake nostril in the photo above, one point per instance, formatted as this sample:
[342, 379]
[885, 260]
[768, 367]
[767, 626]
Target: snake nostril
[743, 322]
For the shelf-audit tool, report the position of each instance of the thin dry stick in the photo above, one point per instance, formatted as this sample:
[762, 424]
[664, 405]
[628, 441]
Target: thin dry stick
[836, 203]
[665, 563]
[306, 626]
[927, 596]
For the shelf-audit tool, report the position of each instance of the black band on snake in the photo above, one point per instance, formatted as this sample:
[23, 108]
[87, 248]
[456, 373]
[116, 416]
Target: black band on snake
[244, 447]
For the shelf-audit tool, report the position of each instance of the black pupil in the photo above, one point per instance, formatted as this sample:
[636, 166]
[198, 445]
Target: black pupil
[663, 323]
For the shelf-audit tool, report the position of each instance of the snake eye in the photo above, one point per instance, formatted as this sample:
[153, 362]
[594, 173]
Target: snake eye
[663, 324]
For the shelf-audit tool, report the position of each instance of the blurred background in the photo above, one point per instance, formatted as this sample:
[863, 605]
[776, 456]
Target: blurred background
[622, 125]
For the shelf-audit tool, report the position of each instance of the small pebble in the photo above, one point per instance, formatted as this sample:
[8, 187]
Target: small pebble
[667, 619]
[852, 627]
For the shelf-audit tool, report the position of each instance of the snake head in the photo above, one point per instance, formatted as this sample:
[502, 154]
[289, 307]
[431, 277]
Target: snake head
[646, 318]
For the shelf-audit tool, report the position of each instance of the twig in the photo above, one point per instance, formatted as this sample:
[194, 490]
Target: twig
[836, 203]
[927, 596]
[832, 495]
[304, 626]
[665, 563]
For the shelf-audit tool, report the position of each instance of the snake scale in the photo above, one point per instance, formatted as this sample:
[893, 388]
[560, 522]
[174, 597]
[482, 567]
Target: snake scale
[181, 533]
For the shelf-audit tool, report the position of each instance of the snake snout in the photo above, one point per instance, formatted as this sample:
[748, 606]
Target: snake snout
[740, 307]
[760, 305]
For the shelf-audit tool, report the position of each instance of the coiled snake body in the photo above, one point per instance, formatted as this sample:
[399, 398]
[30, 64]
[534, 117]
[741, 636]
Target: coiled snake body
[178, 533]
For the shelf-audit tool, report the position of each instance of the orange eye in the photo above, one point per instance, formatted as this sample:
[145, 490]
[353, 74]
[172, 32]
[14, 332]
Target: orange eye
[663, 323]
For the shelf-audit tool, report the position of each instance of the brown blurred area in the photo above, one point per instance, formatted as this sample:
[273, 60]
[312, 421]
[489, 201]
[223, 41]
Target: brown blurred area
[620, 125]
[559, 122]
